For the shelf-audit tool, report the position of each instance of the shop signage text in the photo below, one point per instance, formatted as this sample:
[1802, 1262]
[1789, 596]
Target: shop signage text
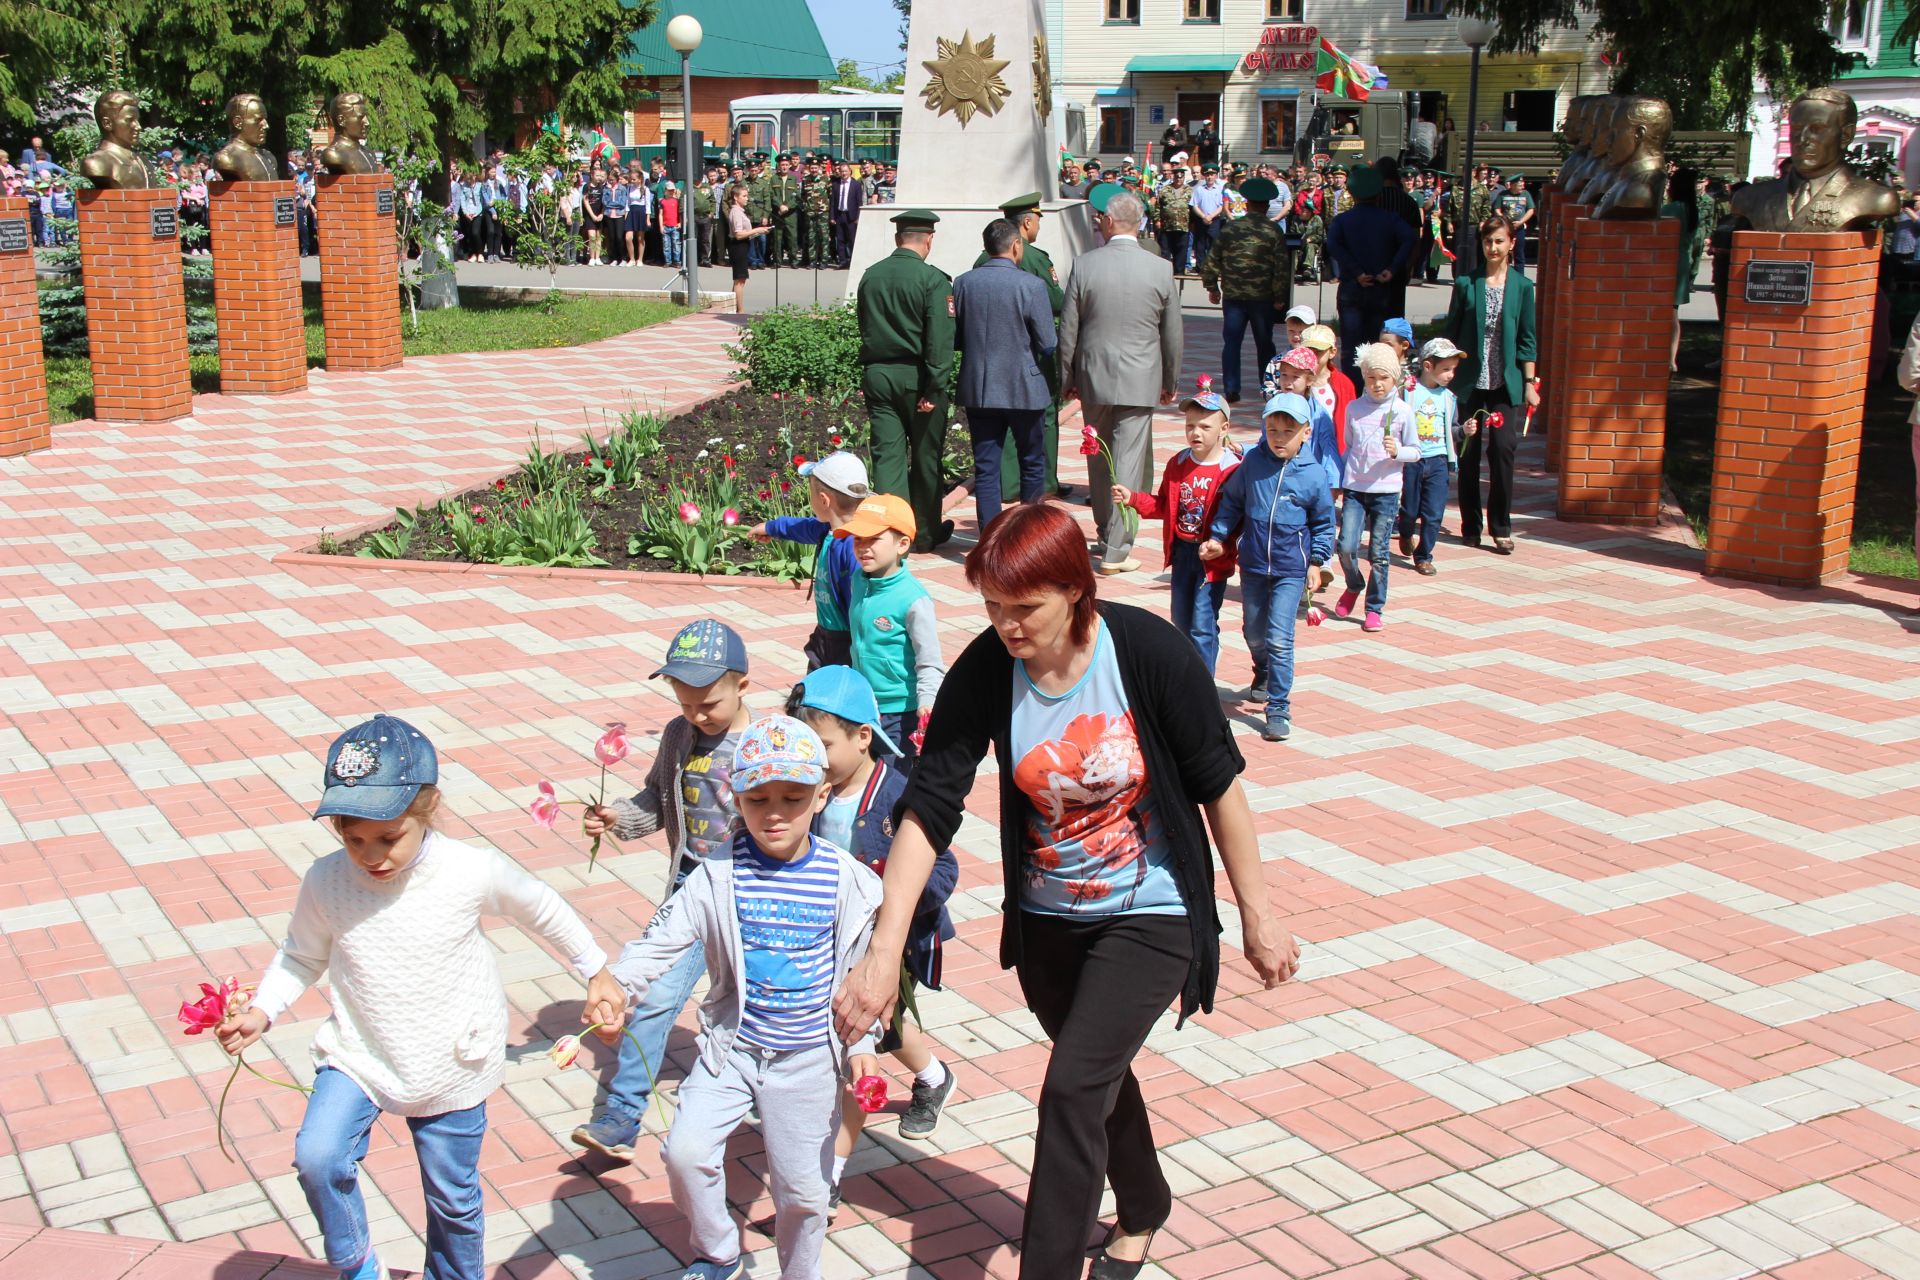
[1283, 49]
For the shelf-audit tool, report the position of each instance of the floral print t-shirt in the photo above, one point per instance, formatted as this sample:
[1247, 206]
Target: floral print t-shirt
[1094, 843]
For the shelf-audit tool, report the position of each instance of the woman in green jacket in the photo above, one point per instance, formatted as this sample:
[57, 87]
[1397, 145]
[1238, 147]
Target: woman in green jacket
[1491, 319]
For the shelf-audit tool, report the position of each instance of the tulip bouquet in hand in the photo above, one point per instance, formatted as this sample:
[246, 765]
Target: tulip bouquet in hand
[222, 1009]
[610, 748]
[1091, 446]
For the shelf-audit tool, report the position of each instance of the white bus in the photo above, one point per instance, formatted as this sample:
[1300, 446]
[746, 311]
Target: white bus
[847, 126]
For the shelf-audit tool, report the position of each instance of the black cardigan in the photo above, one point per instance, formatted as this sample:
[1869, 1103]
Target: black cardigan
[1184, 737]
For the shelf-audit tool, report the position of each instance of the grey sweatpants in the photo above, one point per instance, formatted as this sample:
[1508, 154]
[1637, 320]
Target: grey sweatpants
[1127, 431]
[798, 1096]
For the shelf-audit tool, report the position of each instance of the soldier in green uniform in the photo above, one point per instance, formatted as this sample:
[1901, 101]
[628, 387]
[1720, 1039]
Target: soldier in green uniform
[701, 199]
[815, 199]
[1172, 209]
[1024, 213]
[905, 309]
[759, 207]
[1248, 269]
[783, 194]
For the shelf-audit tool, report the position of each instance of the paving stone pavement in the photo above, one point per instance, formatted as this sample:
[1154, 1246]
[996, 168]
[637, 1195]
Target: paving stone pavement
[1608, 877]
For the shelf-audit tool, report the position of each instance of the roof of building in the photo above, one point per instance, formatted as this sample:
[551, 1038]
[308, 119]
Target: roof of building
[742, 38]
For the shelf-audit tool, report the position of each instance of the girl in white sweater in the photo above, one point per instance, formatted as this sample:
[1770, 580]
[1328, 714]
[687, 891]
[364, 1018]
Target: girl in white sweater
[419, 1022]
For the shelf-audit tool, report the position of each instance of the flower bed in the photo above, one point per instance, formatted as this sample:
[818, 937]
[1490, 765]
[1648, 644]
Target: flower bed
[646, 493]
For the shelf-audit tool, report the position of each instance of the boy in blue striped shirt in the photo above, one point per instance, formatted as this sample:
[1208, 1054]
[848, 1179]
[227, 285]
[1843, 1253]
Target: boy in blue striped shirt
[780, 921]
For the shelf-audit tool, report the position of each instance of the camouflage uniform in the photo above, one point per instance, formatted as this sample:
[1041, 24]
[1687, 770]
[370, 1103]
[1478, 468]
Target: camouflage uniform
[783, 245]
[1173, 210]
[1248, 270]
[702, 243]
[815, 199]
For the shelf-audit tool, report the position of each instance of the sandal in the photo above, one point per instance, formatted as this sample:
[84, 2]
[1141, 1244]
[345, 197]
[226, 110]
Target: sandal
[1503, 546]
[1106, 1268]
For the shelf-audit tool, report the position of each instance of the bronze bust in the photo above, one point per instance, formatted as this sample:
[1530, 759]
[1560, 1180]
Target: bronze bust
[245, 157]
[347, 152]
[1820, 193]
[116, 164]
[1579, 131]
[1638, 160]
[1598, 175]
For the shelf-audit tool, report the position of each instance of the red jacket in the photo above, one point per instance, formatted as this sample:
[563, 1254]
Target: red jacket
[1187, 510]
[1343, 395]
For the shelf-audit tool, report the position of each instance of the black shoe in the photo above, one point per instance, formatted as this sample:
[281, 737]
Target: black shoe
[1063, 491]
[1105, 1268]
[923, 1112]
[1233, 397]
[939, 538]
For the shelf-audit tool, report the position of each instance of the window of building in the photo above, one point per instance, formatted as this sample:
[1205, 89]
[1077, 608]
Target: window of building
[1123, 11]
[1116, 128]
[1852, 23]
[1286, 11]
[1421, 10]
[1279, 118]
[1203, 11]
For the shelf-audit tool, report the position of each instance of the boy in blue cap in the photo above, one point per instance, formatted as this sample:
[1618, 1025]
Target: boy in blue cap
[1279, 503]
[419, 1021]
[1190, 488]
[780, 917]
[838, 704]
[688, 795]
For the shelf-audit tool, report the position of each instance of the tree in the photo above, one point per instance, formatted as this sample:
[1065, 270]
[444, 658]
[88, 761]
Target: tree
[847, 76]
[905, 8]
[41, 41]
[541, 233]
[1707, 58]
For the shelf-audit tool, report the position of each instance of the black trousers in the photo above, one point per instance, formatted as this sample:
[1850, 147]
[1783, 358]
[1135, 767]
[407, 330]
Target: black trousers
[1097, 986]
[1497, 445]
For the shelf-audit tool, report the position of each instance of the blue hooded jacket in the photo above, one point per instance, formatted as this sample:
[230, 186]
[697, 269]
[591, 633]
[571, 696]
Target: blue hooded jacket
[1282, 510]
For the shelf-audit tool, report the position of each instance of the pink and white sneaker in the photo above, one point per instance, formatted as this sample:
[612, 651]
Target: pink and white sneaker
[1344, 605]
[1374, 622]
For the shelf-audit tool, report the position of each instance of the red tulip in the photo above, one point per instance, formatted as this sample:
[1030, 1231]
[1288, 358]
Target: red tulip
[500, 485]
[215, 1005]
[766, 495]
[689, 512]
[1089, 442]
[612, 746]
[786, 486]
[1496, 420]
[870, 1092]
[729, 517]
[834, 441]
[799, 460]
[727, 458]
[1315, 615]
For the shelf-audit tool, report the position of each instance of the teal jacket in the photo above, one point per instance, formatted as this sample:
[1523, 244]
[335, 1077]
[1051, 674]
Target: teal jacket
[1466, 314]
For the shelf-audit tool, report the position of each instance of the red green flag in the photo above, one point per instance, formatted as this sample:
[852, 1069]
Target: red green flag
[1341, 75]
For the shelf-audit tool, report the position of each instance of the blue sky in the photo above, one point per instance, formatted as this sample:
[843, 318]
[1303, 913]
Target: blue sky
[865, 30]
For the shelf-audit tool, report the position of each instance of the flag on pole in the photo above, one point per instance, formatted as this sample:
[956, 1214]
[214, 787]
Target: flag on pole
[597, 144]
[1341, 75]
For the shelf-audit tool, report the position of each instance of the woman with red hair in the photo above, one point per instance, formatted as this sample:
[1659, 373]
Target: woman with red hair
[1111, 745]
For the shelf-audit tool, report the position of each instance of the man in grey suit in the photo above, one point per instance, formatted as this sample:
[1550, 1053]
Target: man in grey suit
[1003, 328]
[1119, 355]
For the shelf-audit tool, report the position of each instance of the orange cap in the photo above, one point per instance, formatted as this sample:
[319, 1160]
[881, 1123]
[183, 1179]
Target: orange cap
[877, 514]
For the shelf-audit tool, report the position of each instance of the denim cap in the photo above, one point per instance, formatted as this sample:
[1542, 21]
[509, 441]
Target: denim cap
[1293, 406]
[375, 769]
[778, 749]
[702, 652]
[1400, 328]
[844, 692]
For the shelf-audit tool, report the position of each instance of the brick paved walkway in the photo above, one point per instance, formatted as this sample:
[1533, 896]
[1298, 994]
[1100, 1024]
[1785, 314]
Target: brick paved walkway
[1608, 877]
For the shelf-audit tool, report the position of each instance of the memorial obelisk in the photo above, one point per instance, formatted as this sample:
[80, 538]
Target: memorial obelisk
[979, 127]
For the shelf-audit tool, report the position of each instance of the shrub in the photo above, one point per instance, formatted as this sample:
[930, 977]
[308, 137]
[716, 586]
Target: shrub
[804, 349]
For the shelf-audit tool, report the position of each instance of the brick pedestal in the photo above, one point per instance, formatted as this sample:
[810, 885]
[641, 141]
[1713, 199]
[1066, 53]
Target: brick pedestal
[136, 306]
[24, 423]
[1558, 355]
[1612, 431]
[256, 288]
[1793, 382]
[359, 272]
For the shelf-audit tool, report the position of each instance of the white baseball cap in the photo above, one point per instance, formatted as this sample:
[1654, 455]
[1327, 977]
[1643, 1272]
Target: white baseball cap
[1304, 315]
[841, 472]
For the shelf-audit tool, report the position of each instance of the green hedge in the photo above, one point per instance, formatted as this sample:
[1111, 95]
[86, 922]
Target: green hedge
[807, 349]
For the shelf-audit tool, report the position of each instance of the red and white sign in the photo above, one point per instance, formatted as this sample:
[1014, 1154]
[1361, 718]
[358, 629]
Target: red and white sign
[1283, 49]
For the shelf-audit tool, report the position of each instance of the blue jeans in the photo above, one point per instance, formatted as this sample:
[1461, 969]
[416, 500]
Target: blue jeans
[1235, 315]
[757, 252]
[1377, 512]
[1423, 503]
[650, 1022]
[986, 428]
[327, 1154]
[670, 245]
[1268, 606]
[1196, 602]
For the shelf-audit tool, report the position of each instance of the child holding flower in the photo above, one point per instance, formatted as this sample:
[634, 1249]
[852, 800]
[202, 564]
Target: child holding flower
[419, 1023]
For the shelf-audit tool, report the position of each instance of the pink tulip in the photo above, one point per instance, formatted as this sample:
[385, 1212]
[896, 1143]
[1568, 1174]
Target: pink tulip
[1315, 615]
[729, 517]
[545, 808]
[689, 512]
[870, 1092]
[565, 1052]
[1205, 382]
[215, 1005]
[1089, 442]
[612, 746]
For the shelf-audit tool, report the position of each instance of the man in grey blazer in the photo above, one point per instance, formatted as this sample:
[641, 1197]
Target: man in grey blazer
[1119, 355]
[1003, 329]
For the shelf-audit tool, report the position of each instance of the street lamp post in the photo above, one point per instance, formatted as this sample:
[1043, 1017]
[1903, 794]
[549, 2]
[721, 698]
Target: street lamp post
[1475, 32]
[684, 34]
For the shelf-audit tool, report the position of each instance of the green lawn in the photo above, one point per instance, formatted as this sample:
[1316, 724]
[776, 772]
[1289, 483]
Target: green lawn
[476, 326]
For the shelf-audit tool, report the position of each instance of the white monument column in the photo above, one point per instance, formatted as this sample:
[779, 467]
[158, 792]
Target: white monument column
[979, 126]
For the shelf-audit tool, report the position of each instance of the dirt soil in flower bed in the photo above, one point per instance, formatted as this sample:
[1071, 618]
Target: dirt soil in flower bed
[762, 436]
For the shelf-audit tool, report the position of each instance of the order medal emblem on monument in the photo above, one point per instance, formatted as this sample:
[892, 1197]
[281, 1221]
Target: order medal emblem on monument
[1042, 78]
[966, 78]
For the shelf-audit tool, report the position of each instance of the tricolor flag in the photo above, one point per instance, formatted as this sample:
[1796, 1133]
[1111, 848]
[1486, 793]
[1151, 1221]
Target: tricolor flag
[1340, 75]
